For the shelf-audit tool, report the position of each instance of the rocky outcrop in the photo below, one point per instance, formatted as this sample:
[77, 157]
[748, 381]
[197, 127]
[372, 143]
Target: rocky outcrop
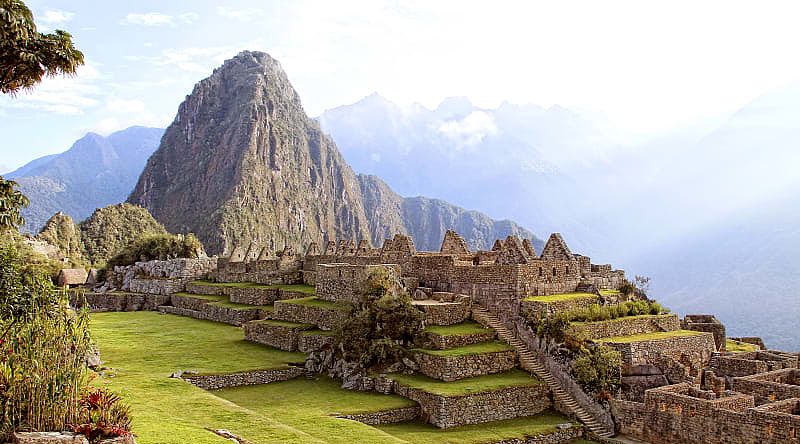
[242, 163]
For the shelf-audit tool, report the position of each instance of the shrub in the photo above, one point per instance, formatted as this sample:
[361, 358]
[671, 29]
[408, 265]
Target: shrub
[383, 325]
[43, 351]
[102, 415]
[597, 370]
[596, 312]
[158, 247]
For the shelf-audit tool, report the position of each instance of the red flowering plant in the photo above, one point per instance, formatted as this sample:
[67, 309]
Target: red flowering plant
[102, 415]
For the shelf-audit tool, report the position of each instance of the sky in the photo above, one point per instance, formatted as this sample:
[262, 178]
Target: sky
[647, 67]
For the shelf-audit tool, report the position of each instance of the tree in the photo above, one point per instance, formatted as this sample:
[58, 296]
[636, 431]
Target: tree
[12, 201]
[27, 55]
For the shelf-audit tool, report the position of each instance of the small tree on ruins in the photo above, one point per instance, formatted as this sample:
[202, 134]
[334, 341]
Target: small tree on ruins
[383, 325]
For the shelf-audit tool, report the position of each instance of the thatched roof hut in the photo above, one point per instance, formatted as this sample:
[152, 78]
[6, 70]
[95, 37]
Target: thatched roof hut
[72, 277]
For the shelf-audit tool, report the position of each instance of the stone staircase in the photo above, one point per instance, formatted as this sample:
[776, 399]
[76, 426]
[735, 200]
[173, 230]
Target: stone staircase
[529, 362]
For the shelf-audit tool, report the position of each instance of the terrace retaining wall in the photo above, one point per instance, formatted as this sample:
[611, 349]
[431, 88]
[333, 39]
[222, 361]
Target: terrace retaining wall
[255, 377]
[453, 368]
[324, 318]
[625, 326]
[477, 408]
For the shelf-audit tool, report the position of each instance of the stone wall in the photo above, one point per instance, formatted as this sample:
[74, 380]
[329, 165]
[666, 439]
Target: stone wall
[631, 325]
[284, 337]
[255, 377]
[174, 270]
[453, 368]
[392, 416]
[477, 408]
[346, 282]
[324, 318]
[444, 313]
[540, 309]
[155, 286]
[203, 309]
[560, 436]
[310, 341]
[698, 348]
[440, 342]
[745, 364]
[770, 387]
[670, 415]
[706, 323]
[117, 301]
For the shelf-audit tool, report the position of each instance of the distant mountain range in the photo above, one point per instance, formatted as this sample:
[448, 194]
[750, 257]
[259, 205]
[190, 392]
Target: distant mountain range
[95, 172]
[242, 163]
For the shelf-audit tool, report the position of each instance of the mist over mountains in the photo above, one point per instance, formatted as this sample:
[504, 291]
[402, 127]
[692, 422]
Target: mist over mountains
[678, 208]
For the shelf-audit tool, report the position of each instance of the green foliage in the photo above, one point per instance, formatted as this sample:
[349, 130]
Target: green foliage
[596, 312]
[598, 370]
[30, 261]
[43, 351]
[108, 230]
[383, 325]
[62, 232]
[12, 201]
[27, 55]
[158, 247]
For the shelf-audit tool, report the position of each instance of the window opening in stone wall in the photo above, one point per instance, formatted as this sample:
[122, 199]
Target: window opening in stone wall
[554, 271]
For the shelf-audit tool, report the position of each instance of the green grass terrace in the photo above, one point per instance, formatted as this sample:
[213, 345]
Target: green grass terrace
[142, 349]
[224, 301]
[649, 336]
[464, 328]
[462, 387]
[560, 297]
[469, 350]
[301, 288]
[318, 303]
[739, 347]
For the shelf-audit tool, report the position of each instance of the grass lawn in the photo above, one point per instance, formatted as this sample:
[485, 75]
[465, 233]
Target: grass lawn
[739, 347]
[205, 297]
[318, 303]
[224, 301]
[622, 319]
[287, 324]
[302, 288]
[649, 336]
[321, 398]
[469, 350]
[144, 348]
[464, 328]
[560, 297]
[420, 432]
[478, 384]
[610, 292]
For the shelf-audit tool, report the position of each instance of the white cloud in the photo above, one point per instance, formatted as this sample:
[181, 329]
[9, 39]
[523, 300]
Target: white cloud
[117, 105]
[149, 19]
[243, 15]
[55, 17]
[62, 95]
[188, 17]
[470, 130]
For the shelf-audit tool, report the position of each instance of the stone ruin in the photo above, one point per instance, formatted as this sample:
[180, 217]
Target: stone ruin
[676, 389]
